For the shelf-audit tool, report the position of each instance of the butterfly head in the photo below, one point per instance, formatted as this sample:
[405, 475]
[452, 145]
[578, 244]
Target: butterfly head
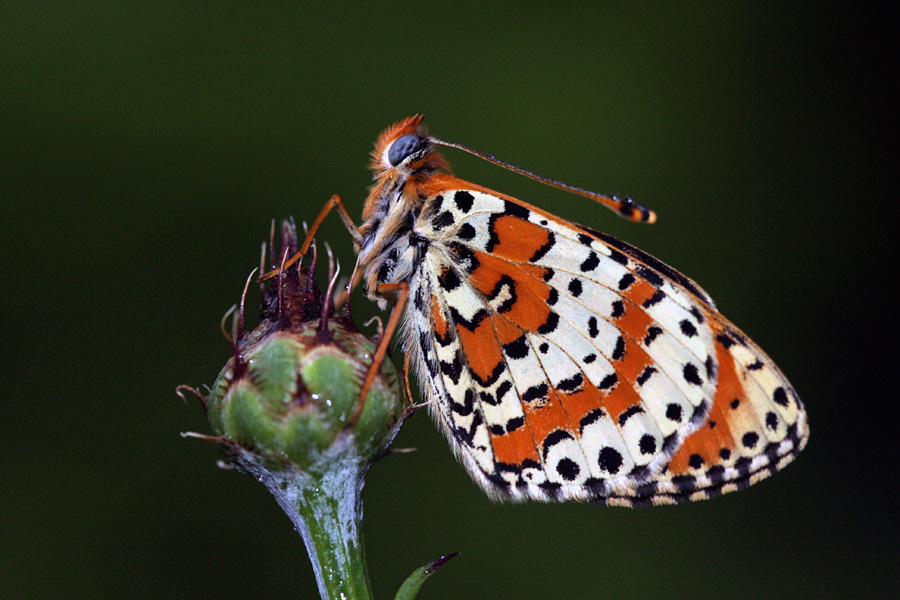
[404, 149]
[404, 158]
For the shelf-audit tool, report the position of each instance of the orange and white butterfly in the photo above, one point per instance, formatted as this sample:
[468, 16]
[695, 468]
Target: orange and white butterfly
[561, 363]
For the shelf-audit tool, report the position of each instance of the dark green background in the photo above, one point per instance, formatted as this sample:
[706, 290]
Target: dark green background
[145, 147]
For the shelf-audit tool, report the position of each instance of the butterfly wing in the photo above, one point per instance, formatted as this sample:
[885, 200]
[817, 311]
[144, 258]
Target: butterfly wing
[564, 364]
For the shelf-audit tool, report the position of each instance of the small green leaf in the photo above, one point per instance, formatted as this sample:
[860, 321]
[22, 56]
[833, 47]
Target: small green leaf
[411, 586]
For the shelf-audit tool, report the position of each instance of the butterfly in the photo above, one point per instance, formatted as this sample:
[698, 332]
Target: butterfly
[562, 363]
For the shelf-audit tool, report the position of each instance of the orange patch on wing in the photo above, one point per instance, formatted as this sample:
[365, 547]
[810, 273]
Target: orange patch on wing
[633, 362]
[634, 323]
[505, 330]
[543, 419]
[441, 329]
[621, 398]
[579, 404]
[530, 310]
[518, 240]
[640, 291]
[515, 447]
[482, 351]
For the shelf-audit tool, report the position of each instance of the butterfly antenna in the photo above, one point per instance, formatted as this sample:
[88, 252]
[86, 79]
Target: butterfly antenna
[625, 207]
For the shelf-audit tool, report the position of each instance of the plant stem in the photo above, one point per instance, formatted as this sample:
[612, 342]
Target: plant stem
[325, 505]
[334, 541]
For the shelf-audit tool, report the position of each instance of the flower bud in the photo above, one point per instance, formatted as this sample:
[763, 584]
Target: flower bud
[292, 389]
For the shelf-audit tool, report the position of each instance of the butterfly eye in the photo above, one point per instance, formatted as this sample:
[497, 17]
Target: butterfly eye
[403, 146]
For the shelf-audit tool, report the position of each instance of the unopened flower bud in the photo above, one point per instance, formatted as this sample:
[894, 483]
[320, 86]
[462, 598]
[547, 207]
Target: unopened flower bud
[288, 409]
[292, 389]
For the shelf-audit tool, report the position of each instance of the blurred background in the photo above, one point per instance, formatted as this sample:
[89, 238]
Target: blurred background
[145, 148]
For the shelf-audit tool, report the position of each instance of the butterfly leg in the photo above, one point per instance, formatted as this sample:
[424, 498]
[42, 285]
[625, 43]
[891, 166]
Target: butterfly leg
[402, 291]
[334, 202]
[406, 377]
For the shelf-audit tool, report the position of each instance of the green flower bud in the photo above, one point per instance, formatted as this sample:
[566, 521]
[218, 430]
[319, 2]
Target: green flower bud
[287, 410]
[290, 394]
[292, 389]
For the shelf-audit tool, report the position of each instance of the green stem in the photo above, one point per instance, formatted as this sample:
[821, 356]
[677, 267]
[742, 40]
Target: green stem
[331, 518]
[325, 505]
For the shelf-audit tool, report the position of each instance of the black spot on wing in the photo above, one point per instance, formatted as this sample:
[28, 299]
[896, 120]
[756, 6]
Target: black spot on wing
[535, 392]
[608, 382]
[687, 328]
[692, 374]
[656, 298]
[651, 276]
[488, 398]
[466, 436]
[628, 413]
[610, 460]
[515, 423]
[652, 333]
[517, 348]
[591, 417]
[442, 220]
[726, 341]
[750, 439]
[575, 287]
[466, 232]
[568, 469]
[697, 314]
[463, 200]
[452, 369]
[553, 297]
[674, 412]
[515, 210]
[448, 279]
[780, 397]
[550, 324]
[590, 263]
[645, 375]
[571, 384]
[618, 309]
[502, 390]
